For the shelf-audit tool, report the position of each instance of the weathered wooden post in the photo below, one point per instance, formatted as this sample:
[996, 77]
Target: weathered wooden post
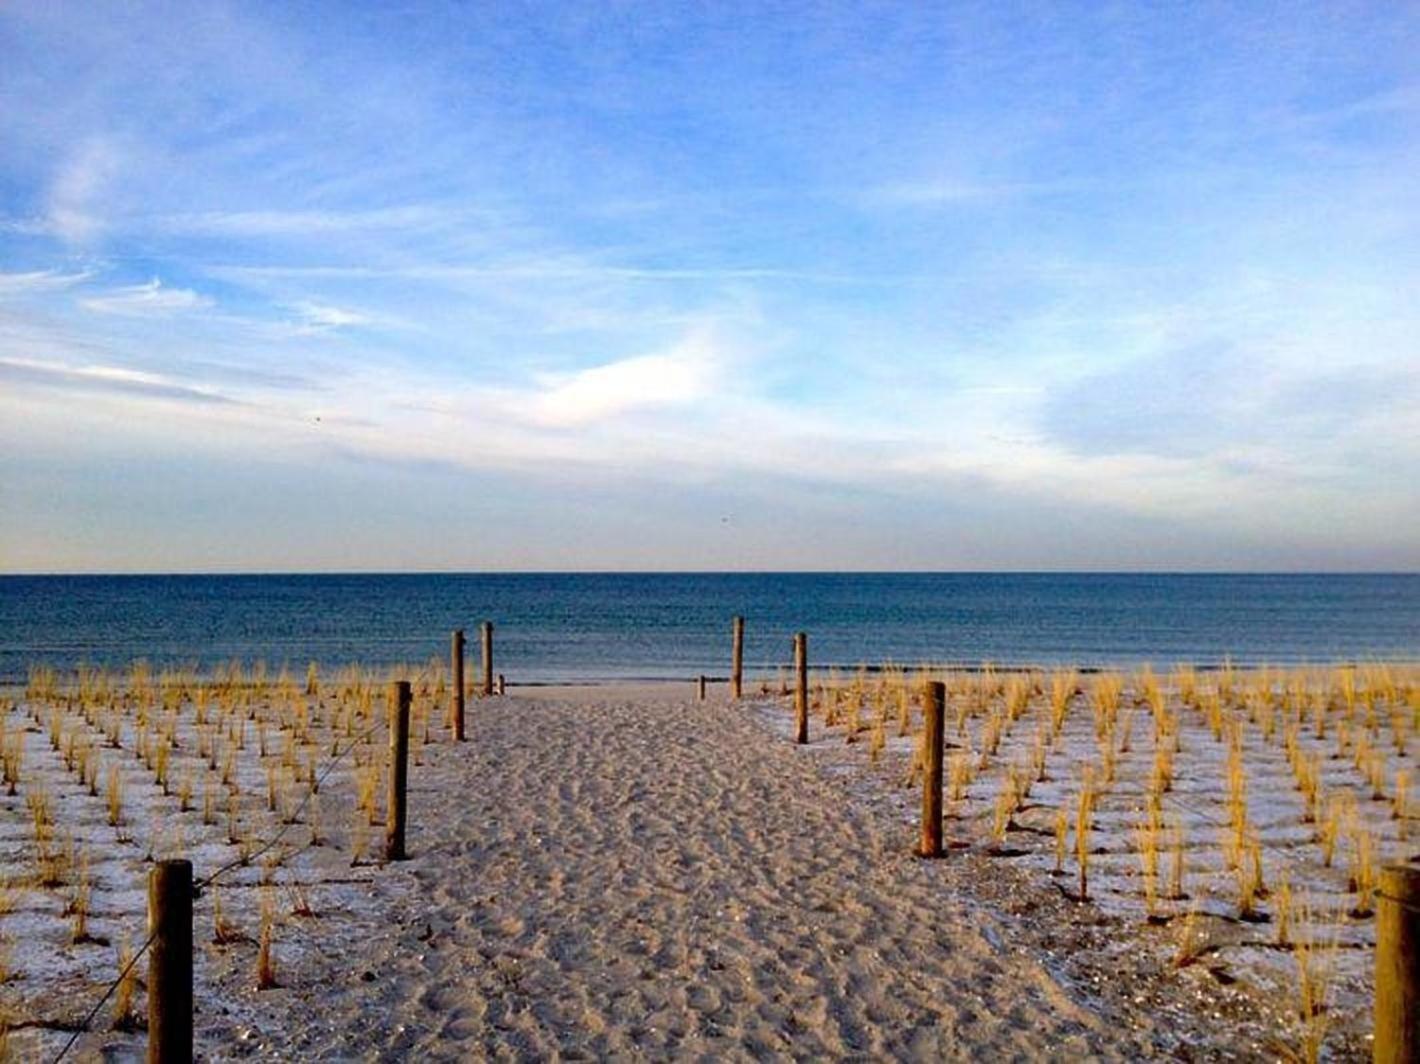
[1397, 1034]
[502, 687]
[399, 770]
[170, 963]
[456, 709]
[700, 688]
[737, 658]
[801, 685]
[932, 740]
[486, 631]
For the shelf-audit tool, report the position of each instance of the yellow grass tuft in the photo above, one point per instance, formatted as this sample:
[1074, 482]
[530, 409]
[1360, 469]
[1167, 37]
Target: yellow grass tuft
[123, 1017]
[1084, 809]
[1284, 907]
[1193, 938]
[1176, 868]
[265, 962]
[1315, 958]
[1363, 869]
[1146, 839]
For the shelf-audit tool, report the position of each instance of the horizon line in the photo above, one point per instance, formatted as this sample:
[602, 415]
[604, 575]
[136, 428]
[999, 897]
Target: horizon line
[703, 572]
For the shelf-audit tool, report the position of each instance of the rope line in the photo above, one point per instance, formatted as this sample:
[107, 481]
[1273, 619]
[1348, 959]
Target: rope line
[200, 885]
[1409, 906]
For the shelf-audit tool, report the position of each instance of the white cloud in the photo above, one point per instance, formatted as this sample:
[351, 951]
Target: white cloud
[146, 300]
[120, 381]
[28, 283]
[680, 375]
[319, 317]
[83, 181]
[936, 193]
[300, 223]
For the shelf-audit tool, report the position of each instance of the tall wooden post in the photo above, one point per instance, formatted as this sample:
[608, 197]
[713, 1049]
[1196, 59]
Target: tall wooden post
[170, 963]
[399, 770]
[486, 632]
[801, 685]
[700, 688]
[456, 708]
[1397, 1034]
[933, 736]
[737, 658]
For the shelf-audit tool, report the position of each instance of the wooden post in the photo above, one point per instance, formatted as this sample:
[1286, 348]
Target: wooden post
[502, 685]
[170, 963]
[700, 688]
[737, 659]
[486, 632]
[801, 686]
[1397, 1033]
[932, 740]
[457, 707]
[399, 770]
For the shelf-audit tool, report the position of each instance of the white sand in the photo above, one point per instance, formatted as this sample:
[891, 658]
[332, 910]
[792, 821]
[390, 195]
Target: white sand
[626, 872]
[621, 876]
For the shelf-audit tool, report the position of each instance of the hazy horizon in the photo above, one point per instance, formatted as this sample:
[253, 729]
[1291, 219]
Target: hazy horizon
[809, 287]
[708, 572]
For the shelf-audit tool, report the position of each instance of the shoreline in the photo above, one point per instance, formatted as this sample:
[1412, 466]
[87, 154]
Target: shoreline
[756, 674]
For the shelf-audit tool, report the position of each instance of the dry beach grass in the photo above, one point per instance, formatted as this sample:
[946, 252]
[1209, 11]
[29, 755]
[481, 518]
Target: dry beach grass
[616, 871]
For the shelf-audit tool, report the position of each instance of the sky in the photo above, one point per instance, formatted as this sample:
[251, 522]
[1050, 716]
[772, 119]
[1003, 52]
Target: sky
[519, 286]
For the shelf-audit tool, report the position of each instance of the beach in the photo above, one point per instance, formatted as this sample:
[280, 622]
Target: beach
[625, 871]
[540, 532]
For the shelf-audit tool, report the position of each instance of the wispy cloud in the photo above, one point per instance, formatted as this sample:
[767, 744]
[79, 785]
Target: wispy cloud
[37, 281]
[313, 223]
[1122, 265]
[555, 270]
[947, 193]
[320, 317]
[114, 380]
[74, 212]
[152, 299]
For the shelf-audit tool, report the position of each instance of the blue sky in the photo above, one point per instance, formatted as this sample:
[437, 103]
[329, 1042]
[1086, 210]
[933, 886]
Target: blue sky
[517, 286]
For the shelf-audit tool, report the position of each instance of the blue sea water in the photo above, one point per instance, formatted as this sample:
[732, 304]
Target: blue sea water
[579, 626]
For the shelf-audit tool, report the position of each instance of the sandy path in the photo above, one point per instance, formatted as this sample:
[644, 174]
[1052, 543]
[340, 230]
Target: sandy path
[659, 878]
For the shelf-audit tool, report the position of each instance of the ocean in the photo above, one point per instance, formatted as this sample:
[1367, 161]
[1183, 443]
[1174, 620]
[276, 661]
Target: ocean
[557, 627]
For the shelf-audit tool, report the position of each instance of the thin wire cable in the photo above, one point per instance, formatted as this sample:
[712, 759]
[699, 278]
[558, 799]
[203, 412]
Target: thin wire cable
[199, 886]
[1409, 906]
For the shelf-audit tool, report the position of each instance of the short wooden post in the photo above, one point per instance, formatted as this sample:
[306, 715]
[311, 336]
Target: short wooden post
[932, 741]
[801, 686]
[700, 688]
[502, 685]
[170, 963]
[1397, 1034]
[737, 658]
[456, 709]
[399, 770]
[486, 632]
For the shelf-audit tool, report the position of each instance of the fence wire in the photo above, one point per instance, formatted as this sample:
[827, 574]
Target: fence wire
[200, 885]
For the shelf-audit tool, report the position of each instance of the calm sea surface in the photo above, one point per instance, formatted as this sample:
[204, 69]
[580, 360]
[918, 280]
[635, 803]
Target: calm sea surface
[621, 626]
